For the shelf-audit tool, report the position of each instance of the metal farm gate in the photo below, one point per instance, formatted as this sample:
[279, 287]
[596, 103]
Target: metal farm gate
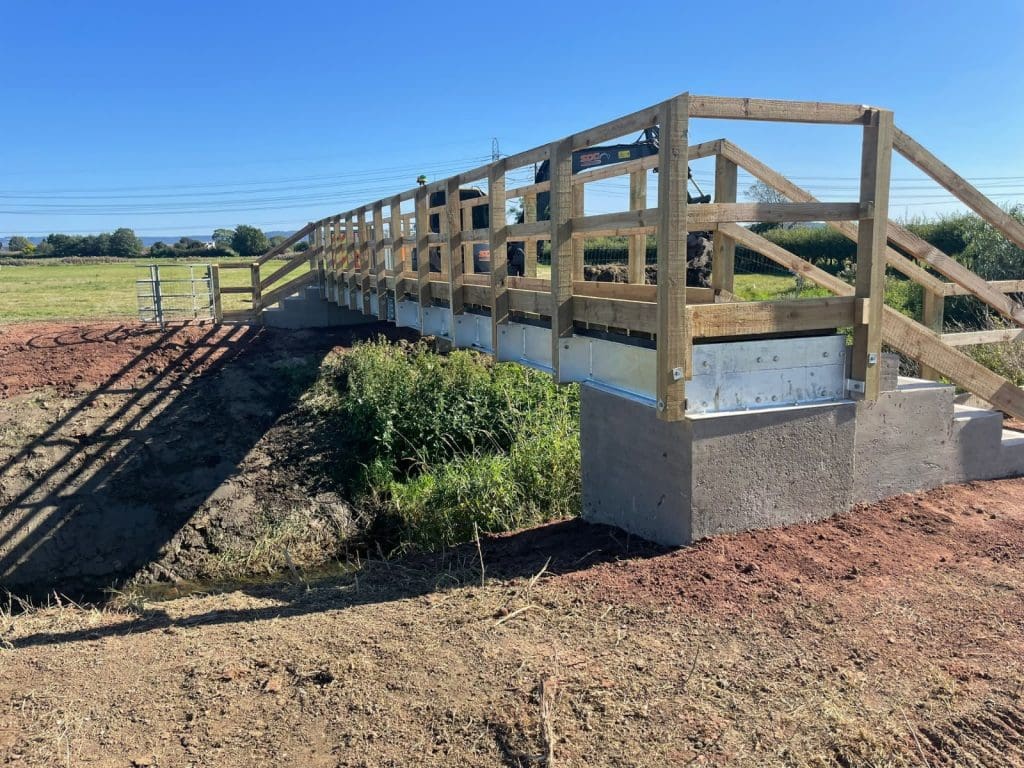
[178, 292]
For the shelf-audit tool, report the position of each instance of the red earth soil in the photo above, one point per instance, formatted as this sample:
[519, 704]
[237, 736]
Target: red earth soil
[78, 357]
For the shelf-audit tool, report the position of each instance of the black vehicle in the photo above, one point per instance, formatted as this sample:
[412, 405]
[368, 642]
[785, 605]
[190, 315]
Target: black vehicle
[698, 245]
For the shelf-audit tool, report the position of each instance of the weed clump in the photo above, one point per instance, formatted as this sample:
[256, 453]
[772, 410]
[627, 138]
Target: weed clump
[431, 447]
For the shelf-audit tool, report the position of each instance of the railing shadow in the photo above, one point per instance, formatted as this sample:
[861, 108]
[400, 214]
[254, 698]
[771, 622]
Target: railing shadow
[558, 548]
[106, 502]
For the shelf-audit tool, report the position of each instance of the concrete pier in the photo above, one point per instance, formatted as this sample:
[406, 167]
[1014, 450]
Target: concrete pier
[675, 483]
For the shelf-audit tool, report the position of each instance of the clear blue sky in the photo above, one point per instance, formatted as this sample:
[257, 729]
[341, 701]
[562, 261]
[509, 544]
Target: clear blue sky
[176, 118]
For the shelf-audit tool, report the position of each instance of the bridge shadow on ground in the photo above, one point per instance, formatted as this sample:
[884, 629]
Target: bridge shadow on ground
[557, 548]
[99, 493]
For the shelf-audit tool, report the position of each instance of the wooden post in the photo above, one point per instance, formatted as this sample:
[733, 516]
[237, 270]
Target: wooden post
[350, 259]
[215, 301]
[932, 316]
[723, 259]
[561, 248]
[397, 247]
[876, 160]
[638, 243]
[422, 252]
[530, 246]
[498, 241]
[257, 294]
[364, 261]
[339, 244]
[467, 249]
[456, 263]
[380, 277]
[673, 337]
[578, 244]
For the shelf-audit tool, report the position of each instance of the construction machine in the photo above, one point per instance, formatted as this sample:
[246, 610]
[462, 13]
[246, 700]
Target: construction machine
[698, 245]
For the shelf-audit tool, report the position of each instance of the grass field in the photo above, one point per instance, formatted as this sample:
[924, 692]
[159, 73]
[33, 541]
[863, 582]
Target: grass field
[51, 290]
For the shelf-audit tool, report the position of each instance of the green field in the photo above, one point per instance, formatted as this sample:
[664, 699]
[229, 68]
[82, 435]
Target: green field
[51, 290]
[56, 291]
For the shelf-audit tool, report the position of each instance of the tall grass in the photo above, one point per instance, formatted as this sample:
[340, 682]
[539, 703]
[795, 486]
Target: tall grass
[431, 447]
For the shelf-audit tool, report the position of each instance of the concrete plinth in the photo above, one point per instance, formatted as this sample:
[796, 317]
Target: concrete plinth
[675, 483]
[678, 482]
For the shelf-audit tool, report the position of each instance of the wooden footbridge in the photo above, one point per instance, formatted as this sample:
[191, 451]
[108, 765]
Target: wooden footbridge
[363, 259]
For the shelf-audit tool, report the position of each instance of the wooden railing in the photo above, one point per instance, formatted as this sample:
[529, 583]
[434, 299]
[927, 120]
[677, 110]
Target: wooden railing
[363, 252]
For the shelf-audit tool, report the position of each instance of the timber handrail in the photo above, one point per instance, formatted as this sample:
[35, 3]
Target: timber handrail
[309, 278]
[354, 253]
[280, 248]
[900, 236]
[901, 332]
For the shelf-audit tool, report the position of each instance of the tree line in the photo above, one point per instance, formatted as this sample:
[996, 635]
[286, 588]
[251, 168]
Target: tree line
[243, 240]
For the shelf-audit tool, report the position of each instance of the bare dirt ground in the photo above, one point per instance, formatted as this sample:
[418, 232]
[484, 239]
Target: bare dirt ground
[130, 451]
[891, 636]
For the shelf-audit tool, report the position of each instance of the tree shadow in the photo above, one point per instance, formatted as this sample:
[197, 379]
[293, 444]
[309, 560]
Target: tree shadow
[90, 507]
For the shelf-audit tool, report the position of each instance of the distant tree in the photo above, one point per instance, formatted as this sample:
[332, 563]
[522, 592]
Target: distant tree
[302, 245]
[249, 241]
[63, 246]
[161, 250]
[124, 244]
[44, 249]
[761, 193]
[276, 240]
[222, 237]
[19, 243]
[188, 244]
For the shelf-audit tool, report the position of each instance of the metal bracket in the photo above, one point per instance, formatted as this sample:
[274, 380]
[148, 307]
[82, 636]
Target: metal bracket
[853, 385]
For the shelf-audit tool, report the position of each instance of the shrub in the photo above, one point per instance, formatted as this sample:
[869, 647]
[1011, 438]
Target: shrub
[429, 445]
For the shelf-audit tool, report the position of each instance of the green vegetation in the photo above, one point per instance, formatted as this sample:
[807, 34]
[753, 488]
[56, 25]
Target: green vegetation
[52, 289]
[249, 241]
[432, 448]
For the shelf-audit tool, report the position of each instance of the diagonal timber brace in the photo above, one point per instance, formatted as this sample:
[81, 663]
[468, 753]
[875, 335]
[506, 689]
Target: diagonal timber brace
[899, 331]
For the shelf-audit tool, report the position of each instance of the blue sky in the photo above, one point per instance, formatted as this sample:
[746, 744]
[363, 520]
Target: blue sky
[180, 117]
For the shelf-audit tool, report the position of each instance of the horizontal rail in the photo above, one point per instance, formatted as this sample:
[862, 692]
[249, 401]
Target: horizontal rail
[774, 110]
[1003, 286]
[968, 338]
[236, 289]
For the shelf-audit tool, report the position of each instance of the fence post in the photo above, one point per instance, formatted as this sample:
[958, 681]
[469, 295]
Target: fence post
[673, 338]
[257, 291]
[637, 268]
[364, 261]
[562, 262]
[397, 248]
[932, 316]
[578, 244]
[456, 262]
[213, 274]
[876, 162]
[422, 252]
[380, 278]
[723, 259]
[350, 261]
[530, 246]
[498, 243]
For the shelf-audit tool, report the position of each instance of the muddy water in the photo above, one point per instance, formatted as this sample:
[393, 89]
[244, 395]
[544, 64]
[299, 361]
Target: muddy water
[159, 591]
